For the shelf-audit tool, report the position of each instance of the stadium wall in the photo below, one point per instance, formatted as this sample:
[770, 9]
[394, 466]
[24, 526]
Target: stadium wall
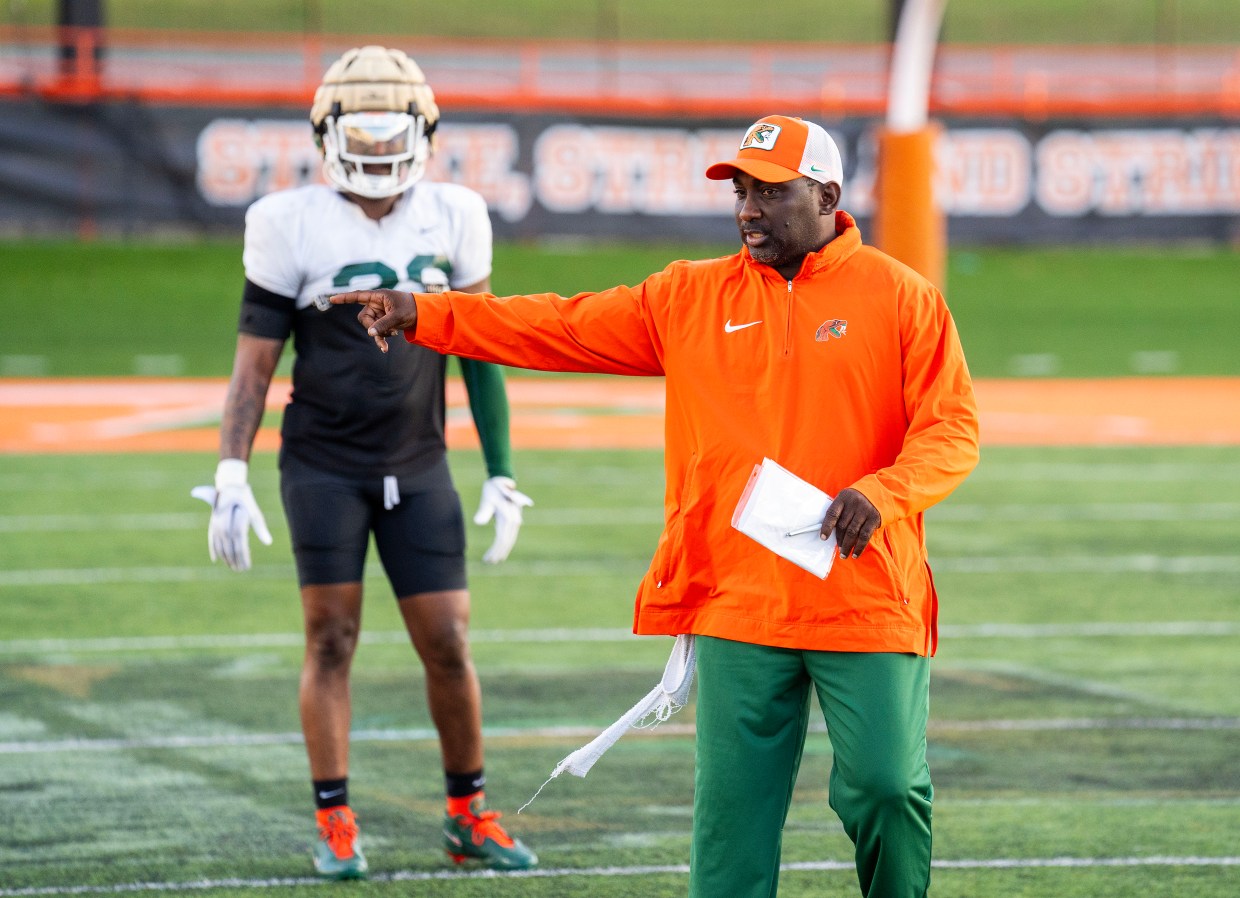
[136, 168]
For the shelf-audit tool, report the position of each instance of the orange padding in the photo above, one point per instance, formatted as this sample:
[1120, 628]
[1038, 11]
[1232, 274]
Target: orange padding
[908, 222]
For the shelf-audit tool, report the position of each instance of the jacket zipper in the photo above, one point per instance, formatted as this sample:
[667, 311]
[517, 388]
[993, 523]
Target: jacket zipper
[788, 323]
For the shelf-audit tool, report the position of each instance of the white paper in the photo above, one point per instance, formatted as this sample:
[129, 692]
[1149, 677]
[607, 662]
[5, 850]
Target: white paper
[775, 502]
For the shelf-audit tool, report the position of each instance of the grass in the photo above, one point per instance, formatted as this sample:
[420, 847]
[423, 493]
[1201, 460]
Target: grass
[148, 737]
[1084, 714]
[966, 21]
[126, 308]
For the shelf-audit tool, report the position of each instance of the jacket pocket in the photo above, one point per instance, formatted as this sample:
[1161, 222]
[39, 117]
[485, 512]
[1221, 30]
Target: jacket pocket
[891, 558]
[670, 553]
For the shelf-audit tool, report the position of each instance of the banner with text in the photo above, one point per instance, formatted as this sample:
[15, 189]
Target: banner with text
[130, 168]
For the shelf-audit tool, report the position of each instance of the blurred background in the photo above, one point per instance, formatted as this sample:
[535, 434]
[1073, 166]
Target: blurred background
[1087, 175]
[1065, 121]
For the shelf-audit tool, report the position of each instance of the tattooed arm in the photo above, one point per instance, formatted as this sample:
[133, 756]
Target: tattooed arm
[253, 367]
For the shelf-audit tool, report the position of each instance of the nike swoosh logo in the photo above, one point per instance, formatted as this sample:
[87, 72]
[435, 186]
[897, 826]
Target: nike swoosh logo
[816, 168]
[729, 327]
[332, 794]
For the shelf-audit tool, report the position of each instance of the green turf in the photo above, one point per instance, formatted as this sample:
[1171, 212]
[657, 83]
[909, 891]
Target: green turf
[1065, 747]
[967, 21]
[144, 308]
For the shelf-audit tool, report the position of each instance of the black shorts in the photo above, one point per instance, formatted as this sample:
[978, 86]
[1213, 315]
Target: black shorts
[421, 540]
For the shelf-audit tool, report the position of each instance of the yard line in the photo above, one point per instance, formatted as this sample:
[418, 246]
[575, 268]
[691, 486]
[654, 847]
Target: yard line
[578, 733]
[1090, 629]
[1061, 724]
[90, 523]
[950, 512]
[825, 866]
[1136, 472]
[1087, 511]
[1186, 565]
[92, 575]
[294, 640]
[1087, 564]
[1083, 629]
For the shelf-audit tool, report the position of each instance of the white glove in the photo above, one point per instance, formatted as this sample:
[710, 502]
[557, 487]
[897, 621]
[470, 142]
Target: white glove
[233, 512]
[503, 501]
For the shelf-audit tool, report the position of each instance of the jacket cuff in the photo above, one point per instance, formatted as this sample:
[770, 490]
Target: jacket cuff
[880, 497]
[433, 312]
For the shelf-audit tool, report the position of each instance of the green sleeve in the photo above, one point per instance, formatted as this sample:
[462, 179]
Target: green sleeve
[488, 402]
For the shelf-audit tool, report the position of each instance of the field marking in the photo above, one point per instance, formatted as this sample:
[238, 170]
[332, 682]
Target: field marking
[1135, 512]
[1183, 565]
[145, 479]
[400, 876]
[1083, 629]
[579, 733]
[1087, 564]
[164, 521]
[44, 415]
[1090, 472]
[954, 512]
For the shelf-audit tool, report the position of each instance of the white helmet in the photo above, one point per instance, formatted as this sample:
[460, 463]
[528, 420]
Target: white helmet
[374, 116]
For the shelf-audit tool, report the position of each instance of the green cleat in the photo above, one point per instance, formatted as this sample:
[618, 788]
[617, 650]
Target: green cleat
[336, 855]
[478, 836]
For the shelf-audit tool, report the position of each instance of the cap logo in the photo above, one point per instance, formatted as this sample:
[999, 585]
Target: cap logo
[761, 136]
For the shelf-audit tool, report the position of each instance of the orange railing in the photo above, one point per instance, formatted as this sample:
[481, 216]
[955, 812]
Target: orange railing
[616, 78]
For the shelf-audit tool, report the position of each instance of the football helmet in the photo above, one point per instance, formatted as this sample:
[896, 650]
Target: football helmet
[374, 118]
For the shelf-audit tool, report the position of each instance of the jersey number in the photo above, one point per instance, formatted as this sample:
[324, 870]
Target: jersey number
[388, 278]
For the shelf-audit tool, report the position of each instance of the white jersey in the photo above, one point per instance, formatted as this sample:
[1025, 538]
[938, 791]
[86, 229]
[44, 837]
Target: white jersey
[353, 407]
[312, 240]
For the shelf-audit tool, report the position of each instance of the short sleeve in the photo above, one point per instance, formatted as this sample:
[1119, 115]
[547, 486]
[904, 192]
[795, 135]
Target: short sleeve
[268, 255]
[472, 262]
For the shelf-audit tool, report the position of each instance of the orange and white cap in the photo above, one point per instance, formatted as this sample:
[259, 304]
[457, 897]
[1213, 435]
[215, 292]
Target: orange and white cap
[779, 148]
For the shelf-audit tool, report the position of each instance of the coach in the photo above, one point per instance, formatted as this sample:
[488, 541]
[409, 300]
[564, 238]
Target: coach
[842, 365]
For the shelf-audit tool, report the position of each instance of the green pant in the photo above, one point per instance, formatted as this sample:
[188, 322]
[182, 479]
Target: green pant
[752, 715]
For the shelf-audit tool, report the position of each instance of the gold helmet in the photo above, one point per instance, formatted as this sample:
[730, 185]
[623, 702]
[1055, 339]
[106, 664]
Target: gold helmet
[374, 116]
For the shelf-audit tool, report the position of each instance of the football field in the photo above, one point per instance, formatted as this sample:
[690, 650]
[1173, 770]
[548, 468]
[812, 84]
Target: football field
[1085, 716]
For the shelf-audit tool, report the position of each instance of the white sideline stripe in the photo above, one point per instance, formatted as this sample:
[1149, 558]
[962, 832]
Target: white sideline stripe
[295, 640]
[1087, 511]
[241, 740]
[559, 517]
[1090, 629]
[996, 564]
[1109, 471]
[651, 870]
[1088, 564]
[950, 512]
[588, 634]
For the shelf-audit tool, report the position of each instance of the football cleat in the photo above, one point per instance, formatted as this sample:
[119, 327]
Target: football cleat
[336, 854]
[477, 835]
[374, 117]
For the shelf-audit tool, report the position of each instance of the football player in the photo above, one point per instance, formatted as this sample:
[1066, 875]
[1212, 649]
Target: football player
[362, 448]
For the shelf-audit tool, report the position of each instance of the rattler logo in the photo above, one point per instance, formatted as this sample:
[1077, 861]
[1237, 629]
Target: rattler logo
[761, 137]
[836, 327]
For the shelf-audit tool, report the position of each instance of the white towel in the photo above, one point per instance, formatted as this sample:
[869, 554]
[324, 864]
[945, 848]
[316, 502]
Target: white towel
[660, 703]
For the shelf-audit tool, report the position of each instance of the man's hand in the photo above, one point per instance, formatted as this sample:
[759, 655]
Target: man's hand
[233, 512]
[854, 519]
[503, 501]
[385, 313]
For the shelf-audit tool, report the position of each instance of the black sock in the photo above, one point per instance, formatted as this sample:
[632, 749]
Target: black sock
[462, 785]
[330, 793]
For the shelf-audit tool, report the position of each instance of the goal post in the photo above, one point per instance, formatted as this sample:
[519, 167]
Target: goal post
[908, 222]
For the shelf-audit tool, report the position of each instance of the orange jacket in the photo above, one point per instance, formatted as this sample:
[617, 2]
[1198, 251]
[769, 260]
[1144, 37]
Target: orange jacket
[850, 374]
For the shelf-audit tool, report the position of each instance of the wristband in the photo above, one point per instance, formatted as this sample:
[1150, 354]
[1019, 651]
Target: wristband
[231, 472]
